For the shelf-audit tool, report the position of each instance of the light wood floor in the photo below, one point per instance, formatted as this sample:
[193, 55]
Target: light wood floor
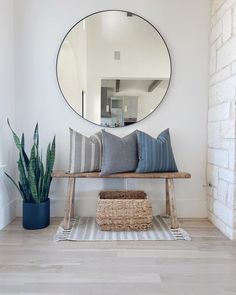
[31, 263]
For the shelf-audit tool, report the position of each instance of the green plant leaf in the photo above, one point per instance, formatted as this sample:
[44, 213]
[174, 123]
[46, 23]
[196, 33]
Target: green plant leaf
[22, 189]
[46, 180]
[23, 179]
[17, 187]
[23, 141]
[52, 155]
[20, 146]
[37, 167]
[49, 167]
[32, 176]
[15, 137]
[36, 135]
[34, 179]
[26, 159]
[40, 186]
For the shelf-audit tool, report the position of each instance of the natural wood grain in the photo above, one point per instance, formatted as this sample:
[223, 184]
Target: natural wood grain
[167, 198]
[31, 263]
[168, 176]
[69, 210]
[63, 174]
[172, 206]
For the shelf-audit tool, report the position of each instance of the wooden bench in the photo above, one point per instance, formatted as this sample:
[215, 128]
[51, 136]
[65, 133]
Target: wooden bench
[169, 185]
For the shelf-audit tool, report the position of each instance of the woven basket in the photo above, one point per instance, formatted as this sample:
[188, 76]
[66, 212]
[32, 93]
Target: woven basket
[124, 211]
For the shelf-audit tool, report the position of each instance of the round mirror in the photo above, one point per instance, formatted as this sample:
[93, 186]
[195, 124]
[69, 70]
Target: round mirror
[113, 68]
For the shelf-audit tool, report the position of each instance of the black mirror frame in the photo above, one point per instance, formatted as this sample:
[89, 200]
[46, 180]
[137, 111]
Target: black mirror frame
[171, 66]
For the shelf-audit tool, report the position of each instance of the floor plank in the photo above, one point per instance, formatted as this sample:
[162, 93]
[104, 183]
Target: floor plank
[31, 263]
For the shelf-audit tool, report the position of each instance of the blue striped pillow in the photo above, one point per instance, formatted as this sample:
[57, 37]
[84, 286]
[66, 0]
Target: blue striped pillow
[155, 155]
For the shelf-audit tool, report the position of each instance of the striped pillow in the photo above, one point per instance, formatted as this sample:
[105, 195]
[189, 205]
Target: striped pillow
[155, 155]
[85, 153]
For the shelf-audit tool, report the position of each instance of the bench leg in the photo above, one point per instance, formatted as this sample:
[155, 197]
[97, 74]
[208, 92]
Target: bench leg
[172, 207]
[69, 211]
[167, 199]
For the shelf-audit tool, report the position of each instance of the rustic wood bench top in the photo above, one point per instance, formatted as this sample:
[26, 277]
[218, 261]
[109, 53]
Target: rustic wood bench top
[168, 176]
[165, 175]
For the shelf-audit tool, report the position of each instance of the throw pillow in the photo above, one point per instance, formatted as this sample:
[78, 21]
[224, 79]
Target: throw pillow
[85, 153]
[155, 155]
[119, 154]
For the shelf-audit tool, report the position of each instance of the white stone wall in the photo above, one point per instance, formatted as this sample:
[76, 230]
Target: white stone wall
[221, 166]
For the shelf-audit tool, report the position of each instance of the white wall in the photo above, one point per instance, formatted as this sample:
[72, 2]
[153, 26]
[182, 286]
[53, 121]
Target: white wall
[7, 151]
[40, 28]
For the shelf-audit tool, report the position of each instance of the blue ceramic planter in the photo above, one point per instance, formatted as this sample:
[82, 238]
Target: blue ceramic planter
[36, 216]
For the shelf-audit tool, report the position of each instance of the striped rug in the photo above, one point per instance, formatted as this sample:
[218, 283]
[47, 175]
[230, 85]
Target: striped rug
[86, 229]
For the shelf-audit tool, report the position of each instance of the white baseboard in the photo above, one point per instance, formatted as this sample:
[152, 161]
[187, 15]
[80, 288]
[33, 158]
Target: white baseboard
[8, 213]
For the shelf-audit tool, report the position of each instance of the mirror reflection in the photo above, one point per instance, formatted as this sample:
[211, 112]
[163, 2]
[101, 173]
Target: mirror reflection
[113, 68]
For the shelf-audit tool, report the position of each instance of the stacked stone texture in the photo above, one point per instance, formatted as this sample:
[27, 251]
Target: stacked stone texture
[221, 166]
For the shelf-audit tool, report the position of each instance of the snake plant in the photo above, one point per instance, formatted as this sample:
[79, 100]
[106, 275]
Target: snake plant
[34, 177]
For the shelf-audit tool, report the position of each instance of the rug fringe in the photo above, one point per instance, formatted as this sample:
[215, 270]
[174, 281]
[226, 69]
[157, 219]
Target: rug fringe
[178, 233]
[63, 234]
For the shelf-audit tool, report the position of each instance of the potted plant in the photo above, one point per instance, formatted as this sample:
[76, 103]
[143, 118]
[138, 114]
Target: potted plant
[34, 180]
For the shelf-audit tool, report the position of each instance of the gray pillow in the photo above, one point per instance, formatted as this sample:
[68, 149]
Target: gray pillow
[119, 154]
[85, 153]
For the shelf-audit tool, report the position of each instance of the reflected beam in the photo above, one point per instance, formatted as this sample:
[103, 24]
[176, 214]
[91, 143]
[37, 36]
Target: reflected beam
[154, 85]
[117, 85]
